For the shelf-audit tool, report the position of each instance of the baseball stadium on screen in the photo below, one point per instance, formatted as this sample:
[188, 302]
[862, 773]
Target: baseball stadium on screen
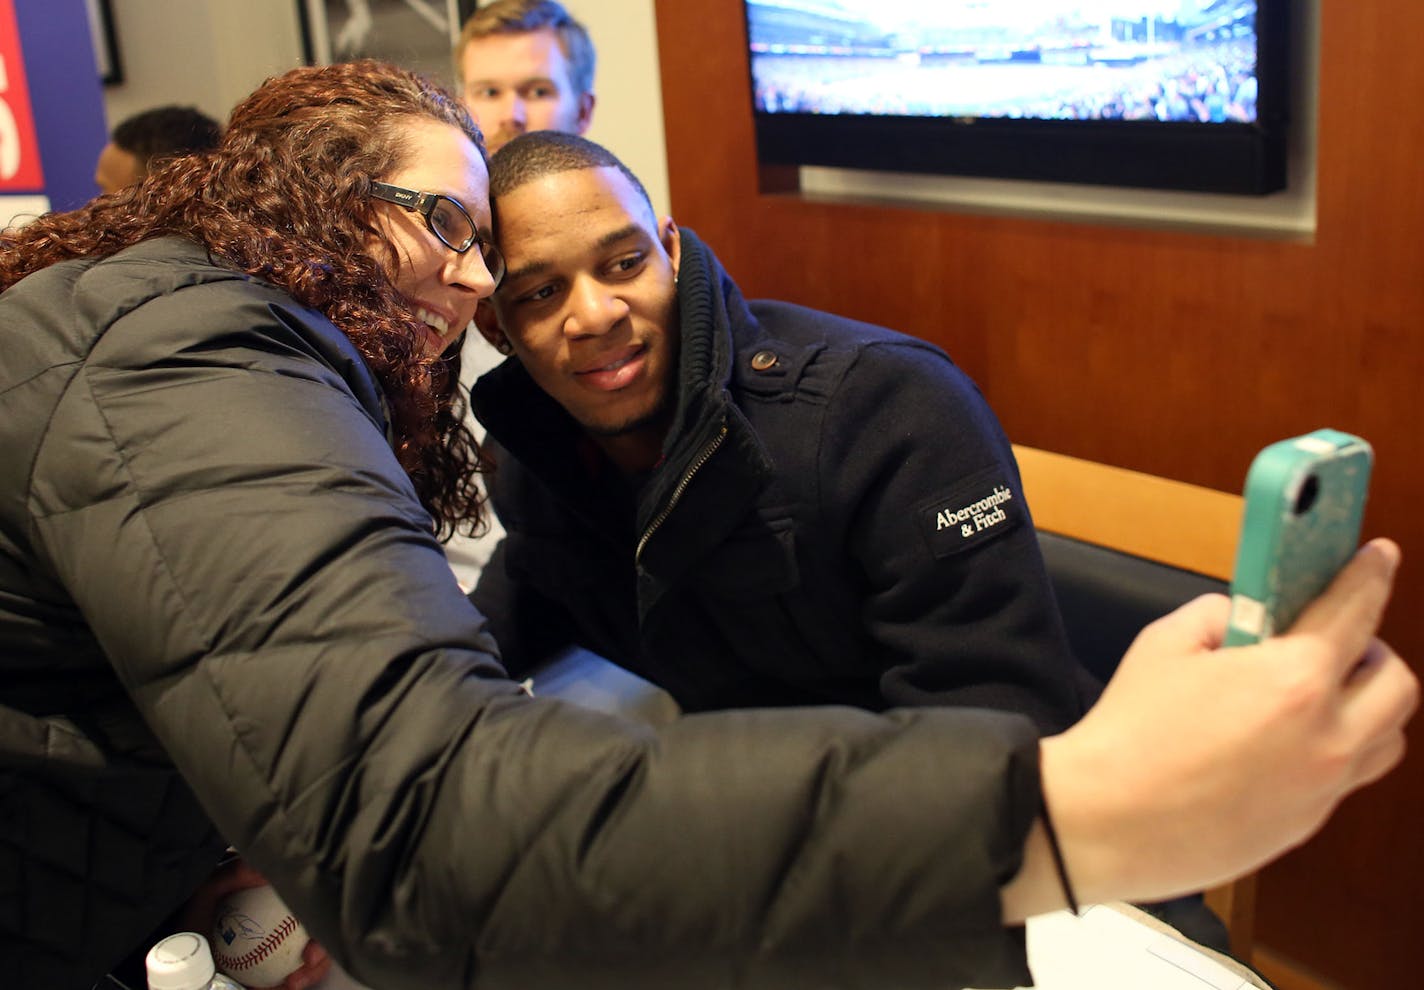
[1187, 94]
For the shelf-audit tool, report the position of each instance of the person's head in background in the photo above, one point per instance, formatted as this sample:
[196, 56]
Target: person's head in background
[138, 140]
[525, 65]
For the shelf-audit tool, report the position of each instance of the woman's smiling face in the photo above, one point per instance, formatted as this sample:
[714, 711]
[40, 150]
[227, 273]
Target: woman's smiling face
[441, 286]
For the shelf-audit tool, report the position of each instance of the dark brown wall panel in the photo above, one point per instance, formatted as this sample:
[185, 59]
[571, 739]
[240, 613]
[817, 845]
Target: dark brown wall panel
[1170, 352]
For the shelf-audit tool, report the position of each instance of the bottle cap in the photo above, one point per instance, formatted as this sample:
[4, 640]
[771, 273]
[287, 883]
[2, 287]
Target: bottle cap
[180, 962]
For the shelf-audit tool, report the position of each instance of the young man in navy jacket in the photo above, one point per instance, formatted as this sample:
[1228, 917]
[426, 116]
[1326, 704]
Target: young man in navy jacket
[747, 503]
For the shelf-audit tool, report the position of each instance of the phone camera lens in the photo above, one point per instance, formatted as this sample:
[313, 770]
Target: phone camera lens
[1309, 492]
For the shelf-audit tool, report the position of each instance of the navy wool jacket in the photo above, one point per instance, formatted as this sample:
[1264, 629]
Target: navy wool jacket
[837, 518]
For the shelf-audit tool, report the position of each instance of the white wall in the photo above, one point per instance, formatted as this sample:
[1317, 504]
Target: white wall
[628, 117]
[207, 54]
[211, 53]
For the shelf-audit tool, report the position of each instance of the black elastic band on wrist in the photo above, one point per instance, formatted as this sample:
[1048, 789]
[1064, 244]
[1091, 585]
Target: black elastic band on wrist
[1052, 835]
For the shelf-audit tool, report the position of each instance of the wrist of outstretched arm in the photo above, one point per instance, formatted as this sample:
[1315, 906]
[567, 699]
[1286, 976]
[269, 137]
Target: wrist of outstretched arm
[1073, 855]
[1103, 836]
[1036, 887]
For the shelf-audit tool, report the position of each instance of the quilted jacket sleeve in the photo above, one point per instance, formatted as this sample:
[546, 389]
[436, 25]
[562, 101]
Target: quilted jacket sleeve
[217, 493]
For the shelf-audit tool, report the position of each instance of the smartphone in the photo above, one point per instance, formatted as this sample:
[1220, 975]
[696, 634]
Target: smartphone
[1305, 498]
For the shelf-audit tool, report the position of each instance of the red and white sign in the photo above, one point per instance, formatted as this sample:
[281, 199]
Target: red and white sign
[20, 169]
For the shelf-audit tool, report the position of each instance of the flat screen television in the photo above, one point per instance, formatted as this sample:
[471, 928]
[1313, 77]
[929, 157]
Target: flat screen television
[1168, 94]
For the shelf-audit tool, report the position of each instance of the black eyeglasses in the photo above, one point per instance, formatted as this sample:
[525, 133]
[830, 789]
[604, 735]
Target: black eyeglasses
[447, 220]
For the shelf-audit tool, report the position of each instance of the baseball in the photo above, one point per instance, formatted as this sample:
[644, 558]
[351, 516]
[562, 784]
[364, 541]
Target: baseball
[256, 939]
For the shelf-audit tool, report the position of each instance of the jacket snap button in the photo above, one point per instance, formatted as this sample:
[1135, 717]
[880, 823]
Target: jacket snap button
[763, 360]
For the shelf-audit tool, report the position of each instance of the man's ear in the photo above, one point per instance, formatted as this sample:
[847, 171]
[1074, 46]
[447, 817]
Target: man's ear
[585, 112]
[671, 239]
[487, 322]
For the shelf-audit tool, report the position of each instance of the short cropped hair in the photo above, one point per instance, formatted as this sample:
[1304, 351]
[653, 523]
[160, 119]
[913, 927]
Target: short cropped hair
[523, 16]
[164, 131]
[535, 154]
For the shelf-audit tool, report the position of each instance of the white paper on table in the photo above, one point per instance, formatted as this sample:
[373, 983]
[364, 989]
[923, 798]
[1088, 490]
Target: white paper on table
[1118, 947]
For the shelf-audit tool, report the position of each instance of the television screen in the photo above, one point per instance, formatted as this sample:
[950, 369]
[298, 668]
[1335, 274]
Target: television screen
[1170, 93]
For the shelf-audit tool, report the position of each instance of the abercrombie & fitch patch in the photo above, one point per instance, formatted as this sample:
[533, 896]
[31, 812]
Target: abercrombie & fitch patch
[978, 509]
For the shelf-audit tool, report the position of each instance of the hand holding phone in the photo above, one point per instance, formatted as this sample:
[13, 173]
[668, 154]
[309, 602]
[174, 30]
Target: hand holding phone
[1305, 499]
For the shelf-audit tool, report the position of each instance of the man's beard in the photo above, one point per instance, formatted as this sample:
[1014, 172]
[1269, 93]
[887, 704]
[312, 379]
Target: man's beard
[497, 140]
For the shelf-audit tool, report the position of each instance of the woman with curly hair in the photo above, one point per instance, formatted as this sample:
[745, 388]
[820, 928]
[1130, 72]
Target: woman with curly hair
[253, 326]
[231, 441]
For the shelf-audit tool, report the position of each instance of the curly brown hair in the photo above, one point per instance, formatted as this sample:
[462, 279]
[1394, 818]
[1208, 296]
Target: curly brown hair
[283, 197]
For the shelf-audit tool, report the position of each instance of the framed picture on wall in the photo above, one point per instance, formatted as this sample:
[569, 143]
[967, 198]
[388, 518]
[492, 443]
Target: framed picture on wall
[416, 34]
[106, 42]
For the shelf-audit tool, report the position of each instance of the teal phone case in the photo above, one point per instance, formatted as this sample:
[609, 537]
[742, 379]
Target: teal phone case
[1305, 499]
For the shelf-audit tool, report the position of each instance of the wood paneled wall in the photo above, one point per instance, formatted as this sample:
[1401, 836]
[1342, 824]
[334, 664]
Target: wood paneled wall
[1179, 354]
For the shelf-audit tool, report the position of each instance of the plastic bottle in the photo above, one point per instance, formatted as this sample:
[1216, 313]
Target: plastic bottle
[185, 962]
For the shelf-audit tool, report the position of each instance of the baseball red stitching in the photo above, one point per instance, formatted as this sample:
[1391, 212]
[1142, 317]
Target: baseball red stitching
[264, 948]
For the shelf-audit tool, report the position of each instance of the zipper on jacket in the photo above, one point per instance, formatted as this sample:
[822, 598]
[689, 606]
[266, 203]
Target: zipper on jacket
[666, 511]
